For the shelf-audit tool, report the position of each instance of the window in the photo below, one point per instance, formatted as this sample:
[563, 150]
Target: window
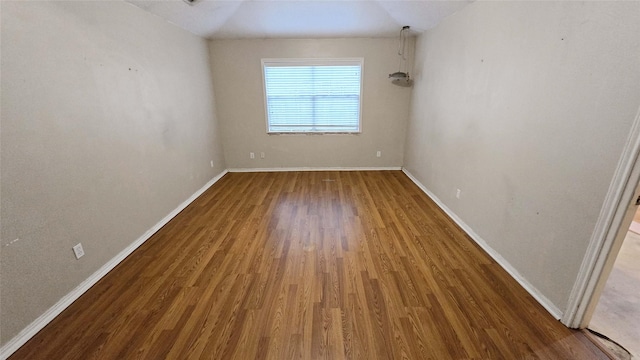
[312, 96]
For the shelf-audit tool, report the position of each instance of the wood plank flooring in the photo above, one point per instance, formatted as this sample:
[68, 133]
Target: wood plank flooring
[308, 265]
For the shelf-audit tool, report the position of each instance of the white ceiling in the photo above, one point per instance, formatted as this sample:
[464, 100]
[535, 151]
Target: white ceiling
[215, 19]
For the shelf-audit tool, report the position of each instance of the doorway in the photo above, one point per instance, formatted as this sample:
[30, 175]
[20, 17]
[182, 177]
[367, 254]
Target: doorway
[611, 229]
[617, 313]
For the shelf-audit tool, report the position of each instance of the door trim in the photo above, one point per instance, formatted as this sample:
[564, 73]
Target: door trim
[619, 196]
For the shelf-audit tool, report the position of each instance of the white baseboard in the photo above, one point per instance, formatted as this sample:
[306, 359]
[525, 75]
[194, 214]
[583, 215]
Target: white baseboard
[314, 169]
[532, 290]
[39, 323]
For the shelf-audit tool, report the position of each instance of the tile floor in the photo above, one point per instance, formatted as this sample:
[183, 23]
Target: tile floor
[617, 314]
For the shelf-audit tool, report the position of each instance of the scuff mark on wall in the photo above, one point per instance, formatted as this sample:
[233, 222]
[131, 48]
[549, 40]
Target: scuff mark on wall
[12, 242]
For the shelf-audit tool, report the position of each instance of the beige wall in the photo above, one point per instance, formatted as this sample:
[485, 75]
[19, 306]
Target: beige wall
[237, 78]
[107, 126]
[525, 107]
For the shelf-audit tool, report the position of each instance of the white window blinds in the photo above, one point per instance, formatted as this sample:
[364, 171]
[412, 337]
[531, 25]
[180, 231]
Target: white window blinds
[318, 96]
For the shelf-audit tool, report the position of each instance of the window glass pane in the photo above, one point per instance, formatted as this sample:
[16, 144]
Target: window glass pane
[312, 98]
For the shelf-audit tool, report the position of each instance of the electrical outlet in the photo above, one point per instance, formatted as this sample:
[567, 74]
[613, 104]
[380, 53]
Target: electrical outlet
[378, 153]
[252, 155]
[78, 251]
[458, 194]
[262, 155]
[211, 163]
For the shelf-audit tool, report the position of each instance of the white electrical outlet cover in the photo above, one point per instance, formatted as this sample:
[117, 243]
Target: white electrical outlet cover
[78, 251]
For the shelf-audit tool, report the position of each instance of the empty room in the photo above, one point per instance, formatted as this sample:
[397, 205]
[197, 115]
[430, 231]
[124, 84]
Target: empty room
[314, 179]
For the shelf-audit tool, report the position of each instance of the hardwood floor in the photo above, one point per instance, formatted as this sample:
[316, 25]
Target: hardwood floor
[309, 265]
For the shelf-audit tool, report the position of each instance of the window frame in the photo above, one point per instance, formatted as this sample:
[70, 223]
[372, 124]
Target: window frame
[273, 62]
